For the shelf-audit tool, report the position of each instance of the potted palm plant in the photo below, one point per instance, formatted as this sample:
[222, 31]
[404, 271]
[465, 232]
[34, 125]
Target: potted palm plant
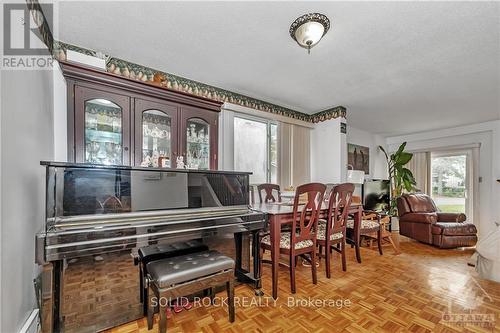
[401, 178]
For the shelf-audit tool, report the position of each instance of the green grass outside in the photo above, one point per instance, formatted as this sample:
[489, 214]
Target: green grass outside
[452, 208]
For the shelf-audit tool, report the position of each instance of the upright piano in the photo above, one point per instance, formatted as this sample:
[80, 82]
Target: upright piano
[97, 217]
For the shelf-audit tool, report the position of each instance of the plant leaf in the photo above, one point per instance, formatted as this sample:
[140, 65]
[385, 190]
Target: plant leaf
[385, 153]
[401, 148]
[404, 158]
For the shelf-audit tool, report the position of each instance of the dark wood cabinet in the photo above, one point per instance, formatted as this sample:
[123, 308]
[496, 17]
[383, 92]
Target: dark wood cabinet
[115, 120]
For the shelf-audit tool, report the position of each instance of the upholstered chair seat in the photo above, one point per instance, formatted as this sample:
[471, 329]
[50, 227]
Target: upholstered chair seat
[321, 233]
[365, 224]
[285, 242]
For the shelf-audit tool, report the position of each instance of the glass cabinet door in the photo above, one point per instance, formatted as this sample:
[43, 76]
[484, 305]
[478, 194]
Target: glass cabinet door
[199, 137]
[197, 144]
[101, 127]
[103, 132]
[156, 126]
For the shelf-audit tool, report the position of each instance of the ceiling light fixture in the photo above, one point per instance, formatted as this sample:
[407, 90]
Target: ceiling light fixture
[308, 29]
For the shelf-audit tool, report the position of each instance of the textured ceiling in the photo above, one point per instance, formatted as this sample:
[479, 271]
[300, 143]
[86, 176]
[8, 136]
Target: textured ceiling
[397, 67]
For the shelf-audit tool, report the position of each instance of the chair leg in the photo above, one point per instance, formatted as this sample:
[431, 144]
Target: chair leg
[328, 257]
[396, 249]
[344, 264]
[292, 273]
[151, 310]
[358, 252]
[379, 241]
[320, 251]
[163, 316]
[230, 299]
[313, 266]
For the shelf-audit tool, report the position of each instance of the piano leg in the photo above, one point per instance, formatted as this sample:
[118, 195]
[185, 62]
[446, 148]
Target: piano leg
[243, 275]
[256, 262]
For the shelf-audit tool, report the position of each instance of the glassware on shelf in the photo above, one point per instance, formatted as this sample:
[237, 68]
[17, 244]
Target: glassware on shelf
[156, 129]
[103, 137]
[198, 147]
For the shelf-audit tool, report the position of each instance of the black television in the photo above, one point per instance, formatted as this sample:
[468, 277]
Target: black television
[377, 195]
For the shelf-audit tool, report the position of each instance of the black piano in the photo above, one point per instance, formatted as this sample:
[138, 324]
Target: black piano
[97, 217]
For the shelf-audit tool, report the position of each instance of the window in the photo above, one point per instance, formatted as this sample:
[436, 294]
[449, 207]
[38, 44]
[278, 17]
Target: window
[256, 148]
[450, 181]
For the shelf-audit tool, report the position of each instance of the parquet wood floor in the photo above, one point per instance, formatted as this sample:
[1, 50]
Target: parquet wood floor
[411, 292]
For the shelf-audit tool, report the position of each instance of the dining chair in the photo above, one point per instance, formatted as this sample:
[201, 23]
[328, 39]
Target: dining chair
[268, 189]
[301, 239]
[370, 226]
[332, 231]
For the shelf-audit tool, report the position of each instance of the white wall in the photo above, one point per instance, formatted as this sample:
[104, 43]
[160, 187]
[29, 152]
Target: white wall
[27, 133]
[328, 152]
[487, 135]
[378, 163]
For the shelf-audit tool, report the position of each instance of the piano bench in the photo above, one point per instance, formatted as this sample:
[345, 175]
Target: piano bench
[176, 277]
[150, 253]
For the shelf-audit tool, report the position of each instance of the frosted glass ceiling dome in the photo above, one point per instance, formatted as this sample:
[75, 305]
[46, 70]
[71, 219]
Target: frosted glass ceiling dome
[308, 29]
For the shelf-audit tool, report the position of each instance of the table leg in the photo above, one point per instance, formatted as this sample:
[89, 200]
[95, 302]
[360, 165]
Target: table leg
[275, 228]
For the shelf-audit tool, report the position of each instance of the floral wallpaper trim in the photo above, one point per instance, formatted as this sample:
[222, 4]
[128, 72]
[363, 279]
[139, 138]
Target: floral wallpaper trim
[174, 82]
[335, 112]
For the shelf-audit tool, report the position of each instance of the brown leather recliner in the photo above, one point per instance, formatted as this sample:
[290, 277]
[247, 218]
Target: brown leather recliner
[420, 219]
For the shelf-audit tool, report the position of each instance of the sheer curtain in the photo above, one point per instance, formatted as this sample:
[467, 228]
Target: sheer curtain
[420, 166]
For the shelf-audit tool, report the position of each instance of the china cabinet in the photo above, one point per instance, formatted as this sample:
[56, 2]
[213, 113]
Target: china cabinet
[114, 120]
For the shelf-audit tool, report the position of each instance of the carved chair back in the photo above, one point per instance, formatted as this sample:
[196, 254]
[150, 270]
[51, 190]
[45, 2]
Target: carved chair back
[269, 196]
[305, 216]
[339, 202]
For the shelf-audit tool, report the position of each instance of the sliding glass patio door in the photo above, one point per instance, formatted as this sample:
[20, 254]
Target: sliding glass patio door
[451, 182]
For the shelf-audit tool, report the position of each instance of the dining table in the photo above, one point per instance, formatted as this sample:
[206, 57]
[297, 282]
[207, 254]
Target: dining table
[281, 213]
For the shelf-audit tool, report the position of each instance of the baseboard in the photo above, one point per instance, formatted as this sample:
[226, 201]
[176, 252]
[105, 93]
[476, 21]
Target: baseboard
[31, 325]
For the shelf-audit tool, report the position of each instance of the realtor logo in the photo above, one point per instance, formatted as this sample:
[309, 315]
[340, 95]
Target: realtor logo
[23, 43]
[471, 317]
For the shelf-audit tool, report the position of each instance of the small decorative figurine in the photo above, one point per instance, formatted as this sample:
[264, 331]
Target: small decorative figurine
[180, 162]
[146, 162]
[154, 159]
